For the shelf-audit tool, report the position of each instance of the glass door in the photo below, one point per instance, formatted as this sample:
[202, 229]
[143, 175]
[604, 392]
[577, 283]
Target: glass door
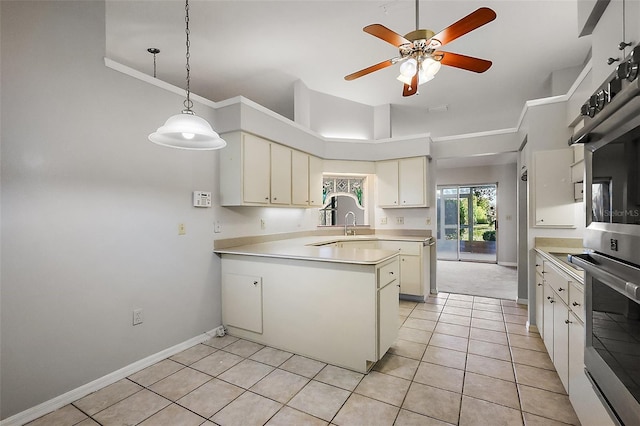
[466, 222]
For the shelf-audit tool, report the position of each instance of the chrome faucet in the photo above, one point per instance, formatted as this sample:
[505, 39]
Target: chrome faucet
[346, 231]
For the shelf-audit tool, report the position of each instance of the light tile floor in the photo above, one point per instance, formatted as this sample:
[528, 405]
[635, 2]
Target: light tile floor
[461, 360]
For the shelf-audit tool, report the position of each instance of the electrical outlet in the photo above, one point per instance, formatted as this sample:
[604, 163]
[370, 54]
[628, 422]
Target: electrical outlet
[137, 316]
[217, 228]
[428, 221]
[383, 220]
[399, 220]
[263, 224]
[182, 229]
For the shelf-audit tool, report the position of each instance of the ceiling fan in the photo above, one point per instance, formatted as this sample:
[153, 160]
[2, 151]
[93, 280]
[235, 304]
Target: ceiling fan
[419, 53]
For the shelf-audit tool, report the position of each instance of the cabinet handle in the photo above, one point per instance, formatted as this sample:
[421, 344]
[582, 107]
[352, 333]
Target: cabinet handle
[539, 285]
[623, 45]
[537, 265]
[560, 289]
[255, 283]
[575, 304]
[552, 301]
[391, 273]
[266, 198]
[275, 198]
[567, 321]
[612, 60]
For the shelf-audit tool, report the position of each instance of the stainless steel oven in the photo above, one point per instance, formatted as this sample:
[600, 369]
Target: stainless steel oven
[612, 341]
[611, 135]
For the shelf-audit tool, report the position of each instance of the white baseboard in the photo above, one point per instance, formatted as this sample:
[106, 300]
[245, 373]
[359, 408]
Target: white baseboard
[84, 390]
[522, 301]
[514, 264]
[532, 328]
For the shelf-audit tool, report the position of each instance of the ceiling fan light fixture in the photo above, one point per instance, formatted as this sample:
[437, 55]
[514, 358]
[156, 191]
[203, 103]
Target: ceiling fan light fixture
[408, 68]
[186, 130]
[431, 67]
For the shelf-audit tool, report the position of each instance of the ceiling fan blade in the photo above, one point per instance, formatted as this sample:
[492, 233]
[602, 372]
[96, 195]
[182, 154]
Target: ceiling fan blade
[371, 69]
[474, 20]
[464, 62]
[410, 90]
[386, 34]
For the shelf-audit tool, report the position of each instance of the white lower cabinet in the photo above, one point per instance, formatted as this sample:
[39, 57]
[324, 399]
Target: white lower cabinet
[410, 275]
[564, 334]
[388, 310]
[548, 324]
[242, 297]
[561, 342]
[539, 295]
[415, 267]
[340, 313]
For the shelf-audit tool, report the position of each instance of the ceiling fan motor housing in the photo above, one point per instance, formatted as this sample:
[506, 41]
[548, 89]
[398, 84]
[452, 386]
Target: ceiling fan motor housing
[422, 45]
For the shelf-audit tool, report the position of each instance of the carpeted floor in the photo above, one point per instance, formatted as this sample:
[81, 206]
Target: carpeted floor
[477, 279]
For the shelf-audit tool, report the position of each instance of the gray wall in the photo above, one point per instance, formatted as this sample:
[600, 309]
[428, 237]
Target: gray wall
[90, 211]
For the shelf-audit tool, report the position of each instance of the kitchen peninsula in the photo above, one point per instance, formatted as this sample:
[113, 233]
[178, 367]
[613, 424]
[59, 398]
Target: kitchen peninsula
[333, 299]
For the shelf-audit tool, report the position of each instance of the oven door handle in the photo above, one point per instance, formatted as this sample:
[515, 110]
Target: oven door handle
[625, 287]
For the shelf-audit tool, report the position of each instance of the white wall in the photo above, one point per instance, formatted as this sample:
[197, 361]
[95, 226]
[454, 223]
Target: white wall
[335, 117]
[90, 211]
[506, 177]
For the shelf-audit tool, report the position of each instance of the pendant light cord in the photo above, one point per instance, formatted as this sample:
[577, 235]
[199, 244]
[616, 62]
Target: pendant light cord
[188, 104]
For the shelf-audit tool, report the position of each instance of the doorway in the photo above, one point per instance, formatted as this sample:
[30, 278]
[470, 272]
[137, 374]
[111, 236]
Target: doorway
[466, 222]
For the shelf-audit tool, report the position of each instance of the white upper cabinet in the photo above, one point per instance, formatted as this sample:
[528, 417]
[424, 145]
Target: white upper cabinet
[387, 174]
[256, 186]
[402, 183]
[620, 22]
[316, 166]
[413, 179]
[300, 183]
[257, 172]
[280, 174]
[553, 189]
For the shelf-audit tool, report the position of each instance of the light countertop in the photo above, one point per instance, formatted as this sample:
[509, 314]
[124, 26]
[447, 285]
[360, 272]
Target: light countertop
[311, 248]
[550, 253]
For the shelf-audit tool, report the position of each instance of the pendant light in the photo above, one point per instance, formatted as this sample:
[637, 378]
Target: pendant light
[186, 130]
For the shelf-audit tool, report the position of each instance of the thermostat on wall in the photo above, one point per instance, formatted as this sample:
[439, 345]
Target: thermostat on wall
[201, 199]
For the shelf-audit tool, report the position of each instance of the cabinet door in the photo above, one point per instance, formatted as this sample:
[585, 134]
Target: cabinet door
[388, 311]
[256, 169]
[553, 189]
[540, 302]
[547, 314]
[576, 354]
[581, 393]
[280, 174]
[412, 182]
[315, 181]
[387, 175]
[242, 301]
[299, 178]
[561, 342]
[410, 275]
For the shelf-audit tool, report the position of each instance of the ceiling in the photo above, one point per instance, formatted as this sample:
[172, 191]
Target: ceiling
[259, 49]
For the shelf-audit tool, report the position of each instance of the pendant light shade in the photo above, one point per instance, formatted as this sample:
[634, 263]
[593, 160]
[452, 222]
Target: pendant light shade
[187, 131]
